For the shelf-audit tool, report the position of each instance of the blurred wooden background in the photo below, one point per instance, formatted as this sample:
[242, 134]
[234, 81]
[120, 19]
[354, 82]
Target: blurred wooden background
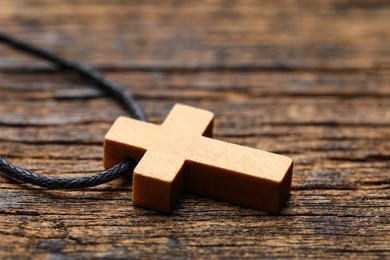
[308, 79]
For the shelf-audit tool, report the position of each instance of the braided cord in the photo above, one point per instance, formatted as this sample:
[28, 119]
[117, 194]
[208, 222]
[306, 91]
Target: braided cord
[20, 174]
[125, 98]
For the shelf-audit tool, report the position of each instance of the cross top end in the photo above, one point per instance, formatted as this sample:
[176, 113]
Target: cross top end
[180, 155]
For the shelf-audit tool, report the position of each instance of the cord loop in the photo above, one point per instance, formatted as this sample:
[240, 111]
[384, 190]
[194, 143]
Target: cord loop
[124, 97]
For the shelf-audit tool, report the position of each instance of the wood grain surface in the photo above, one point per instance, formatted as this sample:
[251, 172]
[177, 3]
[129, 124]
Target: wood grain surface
[307, 79]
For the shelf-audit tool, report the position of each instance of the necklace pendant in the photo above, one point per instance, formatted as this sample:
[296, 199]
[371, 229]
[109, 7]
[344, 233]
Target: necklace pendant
[180, 155]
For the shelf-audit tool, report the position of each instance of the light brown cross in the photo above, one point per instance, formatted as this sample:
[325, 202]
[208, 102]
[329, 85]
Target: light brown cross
[180, 155]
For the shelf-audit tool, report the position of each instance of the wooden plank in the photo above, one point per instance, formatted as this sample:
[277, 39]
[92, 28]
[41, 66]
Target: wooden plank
[335, 139]
[364, 98]
[314, 227]
[204, 34]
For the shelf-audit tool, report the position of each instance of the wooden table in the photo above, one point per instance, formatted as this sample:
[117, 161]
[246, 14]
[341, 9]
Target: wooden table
[308, 79]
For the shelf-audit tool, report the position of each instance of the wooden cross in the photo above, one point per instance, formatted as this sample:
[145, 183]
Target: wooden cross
[180, 155]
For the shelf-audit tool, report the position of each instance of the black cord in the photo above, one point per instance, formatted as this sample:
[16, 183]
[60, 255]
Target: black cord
[13, 172]
[121, 94]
